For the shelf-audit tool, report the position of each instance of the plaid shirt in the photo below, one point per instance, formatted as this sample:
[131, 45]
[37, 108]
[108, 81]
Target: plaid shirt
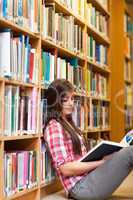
[60, 148]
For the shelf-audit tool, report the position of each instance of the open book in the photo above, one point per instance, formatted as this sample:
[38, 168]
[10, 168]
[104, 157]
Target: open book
[105, 148]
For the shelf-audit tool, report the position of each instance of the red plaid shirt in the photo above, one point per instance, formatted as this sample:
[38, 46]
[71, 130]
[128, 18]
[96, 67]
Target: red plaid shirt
[60, 148]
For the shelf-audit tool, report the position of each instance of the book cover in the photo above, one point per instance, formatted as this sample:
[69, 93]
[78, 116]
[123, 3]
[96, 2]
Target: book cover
[102, 149]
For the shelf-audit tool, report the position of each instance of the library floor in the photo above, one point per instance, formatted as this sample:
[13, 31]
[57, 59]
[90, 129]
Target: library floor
[124, 192]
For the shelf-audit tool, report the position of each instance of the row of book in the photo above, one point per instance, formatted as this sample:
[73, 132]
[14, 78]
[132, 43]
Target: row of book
[47, 171]
[96, 19]
[20, 171]
[20, 111]
[25, 13]
[53, 68]
[98, 114]
[78, 114]
[92, 142]
[78, 7]
[18, 59]
[96, 52]
[96, 83]
[61, 29]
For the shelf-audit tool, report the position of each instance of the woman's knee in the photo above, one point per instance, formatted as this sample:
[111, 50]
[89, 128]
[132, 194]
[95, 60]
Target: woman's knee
[126, 153]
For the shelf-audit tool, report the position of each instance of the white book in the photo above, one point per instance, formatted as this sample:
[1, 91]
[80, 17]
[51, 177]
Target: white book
[8, 110]
[17, 108]
[102, 149]
[5, 57]
[29, 114]
[52, 67]
[20, 170]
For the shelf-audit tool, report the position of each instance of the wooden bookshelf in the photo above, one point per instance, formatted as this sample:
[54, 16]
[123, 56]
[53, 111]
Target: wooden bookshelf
[23, 142]
[128, 71]
[118, 80]
[9, 24]
[100, 7]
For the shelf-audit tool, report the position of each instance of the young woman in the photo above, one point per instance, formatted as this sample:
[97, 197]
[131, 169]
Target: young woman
[82, 180]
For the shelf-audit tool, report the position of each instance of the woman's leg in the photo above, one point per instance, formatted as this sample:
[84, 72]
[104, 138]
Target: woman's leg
[103, 181]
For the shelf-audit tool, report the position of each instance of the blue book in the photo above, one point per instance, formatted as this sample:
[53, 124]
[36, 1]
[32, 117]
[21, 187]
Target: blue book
[47, 78]
[4, 8]
[20, 12]
[43, 66]
[26, 58]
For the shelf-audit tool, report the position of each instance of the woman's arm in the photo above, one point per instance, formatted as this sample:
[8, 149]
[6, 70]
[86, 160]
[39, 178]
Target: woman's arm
[77, 168]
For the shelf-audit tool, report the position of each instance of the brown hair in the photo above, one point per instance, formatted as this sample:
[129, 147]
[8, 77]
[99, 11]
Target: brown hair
[54, 94]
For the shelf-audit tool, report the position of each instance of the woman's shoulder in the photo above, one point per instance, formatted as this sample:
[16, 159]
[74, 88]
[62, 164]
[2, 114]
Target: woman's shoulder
[53, 130]
[53, 124]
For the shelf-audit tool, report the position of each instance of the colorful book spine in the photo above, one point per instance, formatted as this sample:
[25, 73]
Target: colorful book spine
[19, 173]
[96, 52]
[47, 170]
[24, 13]
[98, 115]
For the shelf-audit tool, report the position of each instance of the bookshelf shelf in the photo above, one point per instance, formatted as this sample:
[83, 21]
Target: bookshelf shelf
[127, 57]
[68, 11]
[54, 181]
[130, 35]
[19, 137]
[22, 193]
[99, 67]
[98, 98]
[95, 130]
[129, 82]
[100, 7]
[80, 94]
[61, 50]
[97, 35]
[19, 83]
[26, 92]
[50, 187]
[11, 25]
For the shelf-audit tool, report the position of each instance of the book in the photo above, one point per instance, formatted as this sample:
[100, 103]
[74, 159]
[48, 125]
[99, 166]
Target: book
[102, 149]
[128, 138]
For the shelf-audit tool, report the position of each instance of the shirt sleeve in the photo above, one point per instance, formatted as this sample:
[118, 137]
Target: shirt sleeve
[57, 144]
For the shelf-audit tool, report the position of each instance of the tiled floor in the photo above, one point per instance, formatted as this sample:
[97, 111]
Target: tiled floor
[124, 192]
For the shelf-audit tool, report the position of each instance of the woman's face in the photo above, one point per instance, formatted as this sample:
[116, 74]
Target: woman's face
[68, 104]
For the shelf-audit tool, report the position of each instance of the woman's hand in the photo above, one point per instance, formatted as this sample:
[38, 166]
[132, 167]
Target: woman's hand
[78, 168]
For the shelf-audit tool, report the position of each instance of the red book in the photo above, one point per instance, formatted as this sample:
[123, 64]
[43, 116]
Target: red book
[31, 66]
